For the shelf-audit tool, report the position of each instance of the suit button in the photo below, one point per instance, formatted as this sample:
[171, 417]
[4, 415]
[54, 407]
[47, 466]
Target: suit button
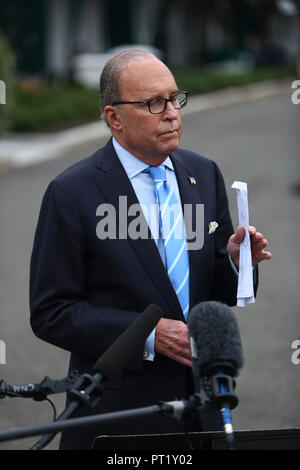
[145, 354]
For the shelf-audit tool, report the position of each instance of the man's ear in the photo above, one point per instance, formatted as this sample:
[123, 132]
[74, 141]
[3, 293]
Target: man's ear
[112, 117]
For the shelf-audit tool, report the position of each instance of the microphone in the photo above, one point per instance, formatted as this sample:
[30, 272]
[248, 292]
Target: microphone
[132, 340]
[109, 365]
[216, 353]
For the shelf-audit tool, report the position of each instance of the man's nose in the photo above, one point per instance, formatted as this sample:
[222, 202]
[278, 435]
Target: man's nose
[170, 112]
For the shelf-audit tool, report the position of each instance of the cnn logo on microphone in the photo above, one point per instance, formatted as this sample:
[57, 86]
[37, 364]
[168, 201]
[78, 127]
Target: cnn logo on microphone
[295, 358]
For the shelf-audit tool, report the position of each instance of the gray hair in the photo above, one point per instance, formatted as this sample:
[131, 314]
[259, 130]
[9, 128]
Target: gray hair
[110, 77]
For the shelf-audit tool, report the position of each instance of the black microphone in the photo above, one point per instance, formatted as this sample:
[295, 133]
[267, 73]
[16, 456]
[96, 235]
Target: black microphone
[88, 387]
[129, 343]
[217, 356]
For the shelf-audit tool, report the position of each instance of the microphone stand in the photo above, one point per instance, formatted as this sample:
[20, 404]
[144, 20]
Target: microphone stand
[87, 390]
[184, 409]
[82, 389]
[175, 409]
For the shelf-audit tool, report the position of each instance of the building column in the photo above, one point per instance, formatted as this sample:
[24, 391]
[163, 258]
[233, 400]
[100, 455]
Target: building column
[145, 20]
[57, 48]
[91, 35]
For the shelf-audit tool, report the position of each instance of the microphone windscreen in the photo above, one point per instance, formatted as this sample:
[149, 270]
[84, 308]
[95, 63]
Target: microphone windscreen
[214, 336]
[128, 344]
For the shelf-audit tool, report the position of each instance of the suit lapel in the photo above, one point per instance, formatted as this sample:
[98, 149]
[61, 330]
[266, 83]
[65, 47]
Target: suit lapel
[111, 176]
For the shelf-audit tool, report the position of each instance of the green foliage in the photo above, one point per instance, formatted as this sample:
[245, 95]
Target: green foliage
[7, 85]
[204, 80]
[52, 107]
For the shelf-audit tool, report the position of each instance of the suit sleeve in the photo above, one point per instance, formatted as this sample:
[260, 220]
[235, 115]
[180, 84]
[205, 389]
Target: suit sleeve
[60, 311]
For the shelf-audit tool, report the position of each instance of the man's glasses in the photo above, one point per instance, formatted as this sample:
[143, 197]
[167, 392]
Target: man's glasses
[158, 105]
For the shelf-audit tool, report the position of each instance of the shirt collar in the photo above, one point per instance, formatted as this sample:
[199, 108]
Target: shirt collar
[133, 165]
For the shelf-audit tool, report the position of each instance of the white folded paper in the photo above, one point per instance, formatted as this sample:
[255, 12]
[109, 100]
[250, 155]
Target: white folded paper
[245, 292]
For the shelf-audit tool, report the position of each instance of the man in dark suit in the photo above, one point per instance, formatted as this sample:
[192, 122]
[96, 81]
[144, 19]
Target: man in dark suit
[90, 279]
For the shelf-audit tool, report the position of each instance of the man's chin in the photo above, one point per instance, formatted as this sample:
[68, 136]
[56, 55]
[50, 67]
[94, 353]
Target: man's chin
[170, 143]
[171, 147]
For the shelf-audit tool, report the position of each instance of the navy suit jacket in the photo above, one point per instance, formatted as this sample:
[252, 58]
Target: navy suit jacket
[84, 292]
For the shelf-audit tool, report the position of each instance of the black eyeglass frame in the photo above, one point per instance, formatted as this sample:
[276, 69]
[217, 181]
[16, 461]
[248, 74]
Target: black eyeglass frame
[148, 102]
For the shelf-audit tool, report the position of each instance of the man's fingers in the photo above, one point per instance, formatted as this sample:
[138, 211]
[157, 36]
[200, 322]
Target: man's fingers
[185, 362]
[258, 245]
[266, 255]
[172, 340]
[239, 235]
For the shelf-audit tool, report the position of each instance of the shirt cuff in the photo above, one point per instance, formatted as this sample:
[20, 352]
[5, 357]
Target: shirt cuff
[233, 266]
[149, 353]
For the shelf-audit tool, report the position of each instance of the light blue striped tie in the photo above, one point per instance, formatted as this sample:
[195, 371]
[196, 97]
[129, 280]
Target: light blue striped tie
[173, 235]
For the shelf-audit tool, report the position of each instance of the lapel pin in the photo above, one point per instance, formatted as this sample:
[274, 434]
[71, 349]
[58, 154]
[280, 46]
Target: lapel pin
[192, 180]
[212, 227]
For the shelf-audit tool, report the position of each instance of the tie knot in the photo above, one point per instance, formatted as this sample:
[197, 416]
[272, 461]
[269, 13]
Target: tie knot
[158, 173]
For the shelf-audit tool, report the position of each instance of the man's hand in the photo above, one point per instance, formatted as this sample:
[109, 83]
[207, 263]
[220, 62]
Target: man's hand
[258, 245]
[172, 340]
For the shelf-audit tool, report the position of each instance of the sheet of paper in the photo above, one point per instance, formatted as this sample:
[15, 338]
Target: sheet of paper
[245, 292]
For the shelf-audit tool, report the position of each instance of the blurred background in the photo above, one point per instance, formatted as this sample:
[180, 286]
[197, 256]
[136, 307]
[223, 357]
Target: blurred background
[51, 56]
[52, 50]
